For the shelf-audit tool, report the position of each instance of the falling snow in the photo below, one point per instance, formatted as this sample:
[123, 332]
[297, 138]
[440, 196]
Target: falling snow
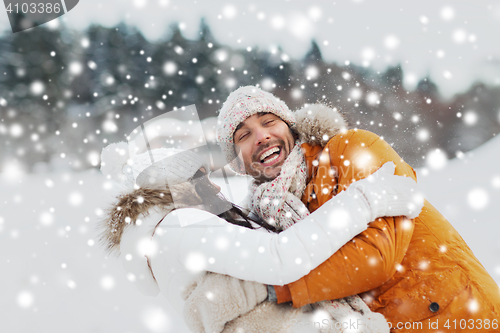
[156, 320]
[436, 159]
[478, 198]
[25, 299]
[50, 205]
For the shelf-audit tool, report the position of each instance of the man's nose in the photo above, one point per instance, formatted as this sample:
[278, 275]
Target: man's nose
[262, 136]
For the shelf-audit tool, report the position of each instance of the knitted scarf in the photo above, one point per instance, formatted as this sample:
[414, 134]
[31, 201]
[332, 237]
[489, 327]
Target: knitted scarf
[278, 201]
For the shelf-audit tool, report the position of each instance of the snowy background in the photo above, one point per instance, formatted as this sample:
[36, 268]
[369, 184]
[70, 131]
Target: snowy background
[425, 75]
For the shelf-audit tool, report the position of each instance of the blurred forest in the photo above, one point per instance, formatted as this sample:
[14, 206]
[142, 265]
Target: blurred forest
[65, 94]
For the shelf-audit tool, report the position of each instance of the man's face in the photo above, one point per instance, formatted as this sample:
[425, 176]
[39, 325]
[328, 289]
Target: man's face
[265, 141]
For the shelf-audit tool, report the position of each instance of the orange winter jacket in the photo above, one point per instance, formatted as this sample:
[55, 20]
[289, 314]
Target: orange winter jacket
[419, 274]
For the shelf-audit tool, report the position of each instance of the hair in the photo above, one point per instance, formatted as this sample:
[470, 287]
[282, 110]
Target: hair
[215, 202]
[295, 134]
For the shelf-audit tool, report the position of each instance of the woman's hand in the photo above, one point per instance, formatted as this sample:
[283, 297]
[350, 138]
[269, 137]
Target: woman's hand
[386, 194]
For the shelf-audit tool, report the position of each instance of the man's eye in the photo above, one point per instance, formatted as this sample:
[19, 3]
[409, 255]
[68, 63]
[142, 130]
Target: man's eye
[269, 122]
[242, 136]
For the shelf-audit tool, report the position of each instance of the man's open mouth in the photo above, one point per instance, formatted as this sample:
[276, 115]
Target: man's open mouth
[270, 156]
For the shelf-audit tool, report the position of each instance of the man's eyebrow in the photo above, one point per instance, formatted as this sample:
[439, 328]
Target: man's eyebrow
[238, 127]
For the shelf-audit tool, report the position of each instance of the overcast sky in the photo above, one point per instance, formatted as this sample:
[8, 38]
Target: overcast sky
[455, 42]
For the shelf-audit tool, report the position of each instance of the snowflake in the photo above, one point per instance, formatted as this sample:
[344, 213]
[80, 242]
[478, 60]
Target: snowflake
[75, 68]
[25, 299]
[470, 118]
[156, 320]
[75, 199]
[436, 159]
[170, 68]
[71, 284]
[478, 198]
[37, 87]
[423, 134]
[391, 42]
[107, 282]
[229, 12]
[447, 13]
[46, 219]
[195, 262]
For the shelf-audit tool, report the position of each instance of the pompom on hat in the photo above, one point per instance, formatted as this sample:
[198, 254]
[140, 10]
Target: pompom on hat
[241, 104]
[151, 168]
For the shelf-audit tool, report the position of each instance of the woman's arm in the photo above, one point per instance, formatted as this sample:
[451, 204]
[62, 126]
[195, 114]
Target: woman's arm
[278, 259]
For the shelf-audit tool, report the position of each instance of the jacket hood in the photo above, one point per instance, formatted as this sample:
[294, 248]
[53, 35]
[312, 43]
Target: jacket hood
[139, 203]
[318, 123]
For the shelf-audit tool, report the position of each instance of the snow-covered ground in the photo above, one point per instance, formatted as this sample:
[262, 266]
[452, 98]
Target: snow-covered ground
[54, 277]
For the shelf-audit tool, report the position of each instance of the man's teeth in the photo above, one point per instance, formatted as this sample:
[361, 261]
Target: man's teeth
[268, 153]
[272, 159]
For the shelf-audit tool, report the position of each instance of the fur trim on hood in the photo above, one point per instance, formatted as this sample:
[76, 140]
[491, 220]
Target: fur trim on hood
[129, 206]
[318, 123]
